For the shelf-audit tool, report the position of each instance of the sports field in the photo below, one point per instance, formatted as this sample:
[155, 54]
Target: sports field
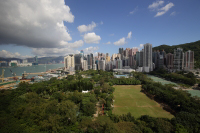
[128, 98]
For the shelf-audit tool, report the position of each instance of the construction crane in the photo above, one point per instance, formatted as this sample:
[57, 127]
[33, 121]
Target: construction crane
[2, 75]
[14, 75]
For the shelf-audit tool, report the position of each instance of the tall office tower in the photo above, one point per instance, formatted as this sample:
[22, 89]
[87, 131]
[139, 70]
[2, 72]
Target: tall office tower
[126, 52]
[155, 58]
[113, 56]
[170, 61]
[69, 63]
[141, 58]
[107, 57]
[114, 64]
[85, 65]
[189, 60]
[82, 53]
[89, 61]
[78, 61]
[137, 58]
[160, 61]
[132, 62]
[94, 66]
[121, 50]
[147, 58]
[132, 51]
[178, 59]
[99, 54]
[125, 62]
[102, 65]
[118, 64]
[36, 59]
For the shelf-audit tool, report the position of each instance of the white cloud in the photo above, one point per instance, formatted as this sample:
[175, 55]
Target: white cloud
[156, 4]
[121, 41]
[90, 50]
[173, 14]
[76, 44]
[34, 24]
[86, 28]
[164, 9]
[129, 35]
[135, 10]
[91, 38]
[46, 52]
[141, 45]
[107, 42]
[7, 54]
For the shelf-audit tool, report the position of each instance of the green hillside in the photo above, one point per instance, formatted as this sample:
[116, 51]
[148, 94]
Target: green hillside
[193, 46]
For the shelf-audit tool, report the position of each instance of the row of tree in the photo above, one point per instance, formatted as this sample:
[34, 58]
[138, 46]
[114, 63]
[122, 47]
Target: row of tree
[185, 108]
[179, 77]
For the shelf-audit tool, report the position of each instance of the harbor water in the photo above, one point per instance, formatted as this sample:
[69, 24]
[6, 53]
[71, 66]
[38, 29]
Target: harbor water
[29, 69]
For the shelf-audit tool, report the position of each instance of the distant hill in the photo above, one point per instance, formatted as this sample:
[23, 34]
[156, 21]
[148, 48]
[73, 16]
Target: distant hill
[9, 59]
[193, 46]
[42, 60]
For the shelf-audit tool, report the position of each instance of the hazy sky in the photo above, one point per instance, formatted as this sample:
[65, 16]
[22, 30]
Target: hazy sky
[58, 27]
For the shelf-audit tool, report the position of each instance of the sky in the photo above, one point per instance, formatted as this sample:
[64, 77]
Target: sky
[60, 27]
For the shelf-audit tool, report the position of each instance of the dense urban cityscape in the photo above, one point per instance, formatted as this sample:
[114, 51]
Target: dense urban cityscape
[130, 58]
[99, 66]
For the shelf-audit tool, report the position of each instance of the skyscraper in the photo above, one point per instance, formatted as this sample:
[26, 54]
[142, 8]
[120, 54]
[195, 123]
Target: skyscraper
[78, 61]
[69, 62]
[133, 51]
[169, 62]
[141, 58]
[121, 52]
[147, 58]
[178, 59]
[189, 60]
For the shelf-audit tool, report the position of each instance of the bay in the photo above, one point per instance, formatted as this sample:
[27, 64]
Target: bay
[29, 69]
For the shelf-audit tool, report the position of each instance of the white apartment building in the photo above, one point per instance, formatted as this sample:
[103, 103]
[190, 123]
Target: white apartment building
[69, 63]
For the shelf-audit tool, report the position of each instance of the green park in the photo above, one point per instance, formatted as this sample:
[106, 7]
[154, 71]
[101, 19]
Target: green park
[129, 98]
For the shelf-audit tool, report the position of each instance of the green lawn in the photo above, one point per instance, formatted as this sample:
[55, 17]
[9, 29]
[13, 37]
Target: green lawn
[128, 98]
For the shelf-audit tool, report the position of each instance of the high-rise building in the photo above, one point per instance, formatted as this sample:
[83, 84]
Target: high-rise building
[126, 52]
[132, 62]
[107, 57]
[189, 60]
[170, 61]
[121, 50]
[35, 61]
[147, 58]
[82, 53]
[90, 61]
[85, 65]
[69, 63]
[137, 58]
[3, 64]
[113, 57]
[94, 66]
[132, 51]
[102, 65]
[78, 61]
[141, 58]
[178, 59]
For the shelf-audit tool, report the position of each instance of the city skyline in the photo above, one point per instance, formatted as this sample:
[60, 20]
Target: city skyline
[58, 28]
